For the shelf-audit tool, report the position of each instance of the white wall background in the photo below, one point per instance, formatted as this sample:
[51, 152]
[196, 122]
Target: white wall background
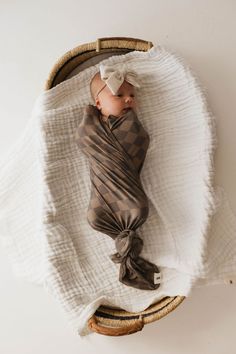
[33, 35]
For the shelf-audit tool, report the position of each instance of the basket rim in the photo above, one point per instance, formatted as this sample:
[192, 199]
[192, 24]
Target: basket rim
[101, 45]
[102, 323]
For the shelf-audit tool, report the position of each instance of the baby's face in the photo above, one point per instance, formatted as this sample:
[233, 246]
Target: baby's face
[118, 104]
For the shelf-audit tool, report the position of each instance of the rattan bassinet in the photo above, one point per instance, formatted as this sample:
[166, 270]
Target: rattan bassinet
[107, 320]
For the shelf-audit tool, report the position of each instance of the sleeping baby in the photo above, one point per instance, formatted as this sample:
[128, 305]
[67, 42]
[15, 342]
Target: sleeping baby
[115, 143]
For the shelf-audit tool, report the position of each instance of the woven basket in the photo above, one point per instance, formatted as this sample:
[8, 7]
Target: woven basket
[107, 320]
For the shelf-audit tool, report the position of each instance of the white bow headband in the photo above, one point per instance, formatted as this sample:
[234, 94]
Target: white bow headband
[114, 78]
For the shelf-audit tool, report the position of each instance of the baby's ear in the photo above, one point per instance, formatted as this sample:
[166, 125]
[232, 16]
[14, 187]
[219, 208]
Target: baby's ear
[97, 103]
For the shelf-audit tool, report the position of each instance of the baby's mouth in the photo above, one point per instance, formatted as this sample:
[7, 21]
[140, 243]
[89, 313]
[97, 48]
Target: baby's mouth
[125, 110]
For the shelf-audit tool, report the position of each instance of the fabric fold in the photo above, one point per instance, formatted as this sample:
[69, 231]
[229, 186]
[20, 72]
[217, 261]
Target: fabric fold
[134, 270]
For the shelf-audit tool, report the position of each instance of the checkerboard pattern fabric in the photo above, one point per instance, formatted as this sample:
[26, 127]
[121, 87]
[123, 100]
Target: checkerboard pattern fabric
[116, 151]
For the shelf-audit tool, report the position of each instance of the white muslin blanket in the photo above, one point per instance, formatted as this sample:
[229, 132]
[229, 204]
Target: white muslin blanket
[45, 191]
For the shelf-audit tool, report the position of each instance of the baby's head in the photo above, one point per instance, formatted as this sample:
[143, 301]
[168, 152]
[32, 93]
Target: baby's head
[107, 102]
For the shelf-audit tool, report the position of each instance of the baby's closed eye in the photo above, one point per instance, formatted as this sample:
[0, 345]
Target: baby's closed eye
[121, 95]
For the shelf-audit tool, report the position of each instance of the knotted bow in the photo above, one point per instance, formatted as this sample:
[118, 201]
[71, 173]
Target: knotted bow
[114, 78]
[127, 243]
[134, 270]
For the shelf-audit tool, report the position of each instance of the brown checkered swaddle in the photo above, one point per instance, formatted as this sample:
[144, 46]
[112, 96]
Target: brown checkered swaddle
[116, 150]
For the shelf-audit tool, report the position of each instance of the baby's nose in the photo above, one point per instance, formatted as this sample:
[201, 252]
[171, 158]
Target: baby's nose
[128, 99]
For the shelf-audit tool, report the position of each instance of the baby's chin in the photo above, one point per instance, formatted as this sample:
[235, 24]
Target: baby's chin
[119, 114]
[124, 111]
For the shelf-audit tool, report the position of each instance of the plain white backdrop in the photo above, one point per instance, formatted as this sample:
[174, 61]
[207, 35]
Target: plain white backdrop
[33, 35]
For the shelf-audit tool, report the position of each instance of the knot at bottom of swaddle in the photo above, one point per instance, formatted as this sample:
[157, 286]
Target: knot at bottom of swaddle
[135, 271]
